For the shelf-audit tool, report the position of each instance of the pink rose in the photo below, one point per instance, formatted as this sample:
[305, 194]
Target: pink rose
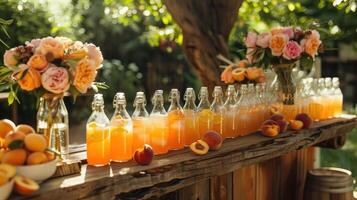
[251, 39]
[95, 54]
[292, 50]
[277, 43]
[249, 55]
[11, 57]
[55, 79]
[51, 47]
[289, 31]
[34, 43]
[263, 40]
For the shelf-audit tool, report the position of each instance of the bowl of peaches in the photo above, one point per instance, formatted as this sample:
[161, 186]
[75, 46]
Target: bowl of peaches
[23, 148]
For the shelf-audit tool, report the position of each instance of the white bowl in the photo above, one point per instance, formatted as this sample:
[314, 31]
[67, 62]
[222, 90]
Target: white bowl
[38, 172]
[5, 190]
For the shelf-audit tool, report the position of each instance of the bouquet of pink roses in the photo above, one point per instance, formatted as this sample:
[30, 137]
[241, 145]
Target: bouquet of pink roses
[283, 45]
[51, 65]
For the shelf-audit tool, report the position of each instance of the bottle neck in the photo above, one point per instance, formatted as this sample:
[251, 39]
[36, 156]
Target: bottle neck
[204, 102]
[175, 104]
[190, 103]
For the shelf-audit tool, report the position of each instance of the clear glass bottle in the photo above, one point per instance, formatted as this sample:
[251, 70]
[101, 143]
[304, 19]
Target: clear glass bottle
[338, 97]
[251, 95]
[315, 106]
[52, 122]
[121, 131]
[242, 115]
[191, 133]
[322, 92]
[158, 124]
[329, 98]
[204, 113]
[275, 99]
[261, 106]
[229, 129]
[218, 110]
[140, 120]
[98, 136]
[176, 139]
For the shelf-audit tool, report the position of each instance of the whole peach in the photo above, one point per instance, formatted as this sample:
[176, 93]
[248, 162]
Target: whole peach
[12, 136]
[143, 156]
[283, 125]
[270, 128]
[277, 117]
[296, 124]
[213, 139]
[305, 118]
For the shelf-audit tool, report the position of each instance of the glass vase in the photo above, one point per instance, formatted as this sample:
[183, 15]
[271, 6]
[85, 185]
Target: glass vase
[52, 122]
[286, 82]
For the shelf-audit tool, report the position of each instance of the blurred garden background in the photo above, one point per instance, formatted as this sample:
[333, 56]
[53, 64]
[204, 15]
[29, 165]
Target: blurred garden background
[141, 47]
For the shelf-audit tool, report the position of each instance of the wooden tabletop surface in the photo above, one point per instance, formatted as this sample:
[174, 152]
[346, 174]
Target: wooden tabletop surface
[181, 168]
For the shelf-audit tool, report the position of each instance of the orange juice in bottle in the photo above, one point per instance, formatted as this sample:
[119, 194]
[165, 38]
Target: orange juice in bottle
[229, 129]
[218, 110]
[337, 97]
[121, 131]
[204, 114]
[158, 124]
[176, 139]
[321, 90]
[189, 109]
[242, 114]
[97, 134]
[140, 119]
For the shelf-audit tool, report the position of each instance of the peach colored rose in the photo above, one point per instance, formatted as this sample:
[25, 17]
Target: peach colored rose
[292, 50]
[55, 79]
[312, 43]
[11, 57]
[65, 41]
[227, 76]
[76, 51]
[51, 48]
[30, 81]
[85, 74]
[277, 44]
[276, 31]
[263, 40]
[38, 62]
[251, 39]
[95, 54]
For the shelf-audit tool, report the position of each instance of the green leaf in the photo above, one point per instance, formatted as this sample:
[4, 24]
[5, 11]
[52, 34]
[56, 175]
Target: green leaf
[73, 90]
[11, 98]
[1, 41]
[306, 62]
[16, 144]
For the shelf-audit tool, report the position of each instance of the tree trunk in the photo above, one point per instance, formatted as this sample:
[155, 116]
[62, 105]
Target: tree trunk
[205, 25]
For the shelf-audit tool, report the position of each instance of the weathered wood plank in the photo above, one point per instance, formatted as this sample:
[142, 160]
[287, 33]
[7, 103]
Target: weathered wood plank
[244, 183]
[179, 169]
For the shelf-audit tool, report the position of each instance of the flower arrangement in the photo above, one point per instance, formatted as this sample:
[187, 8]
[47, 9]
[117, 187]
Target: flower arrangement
[51, 65]
[284, 45]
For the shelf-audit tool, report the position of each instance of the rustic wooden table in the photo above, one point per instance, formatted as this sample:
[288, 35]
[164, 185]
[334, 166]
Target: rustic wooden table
[178, 169]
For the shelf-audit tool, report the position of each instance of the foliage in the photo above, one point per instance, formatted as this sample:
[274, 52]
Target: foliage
[3, 24]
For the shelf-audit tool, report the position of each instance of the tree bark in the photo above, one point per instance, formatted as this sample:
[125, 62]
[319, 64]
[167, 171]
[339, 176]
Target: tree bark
[205, 25]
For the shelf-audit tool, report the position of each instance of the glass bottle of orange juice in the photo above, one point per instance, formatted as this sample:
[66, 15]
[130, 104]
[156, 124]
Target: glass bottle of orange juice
[229, 129]
[338, 97]
[204, 114]
[322, 92]
[158, 130]
[97, 134]
[140, 120]
[329, 98]
[242, 114]
[191, 133]
[176, 139]
[218, 110]
[121, 131]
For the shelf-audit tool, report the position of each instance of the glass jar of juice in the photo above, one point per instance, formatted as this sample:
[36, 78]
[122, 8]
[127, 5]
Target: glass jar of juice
[158, 130]
[229, 129]
[243, 116]
[121, 131]
[191, 133]
[97, 134]
[218, 110]
[176, 139]
[338, 97]
[204, 113]
[140, 120]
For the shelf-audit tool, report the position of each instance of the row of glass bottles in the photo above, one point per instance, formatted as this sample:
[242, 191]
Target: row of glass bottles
[320, 98]
[238, 115]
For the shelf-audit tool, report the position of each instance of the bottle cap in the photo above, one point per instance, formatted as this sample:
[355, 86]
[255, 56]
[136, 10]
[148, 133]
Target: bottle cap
[190, 93]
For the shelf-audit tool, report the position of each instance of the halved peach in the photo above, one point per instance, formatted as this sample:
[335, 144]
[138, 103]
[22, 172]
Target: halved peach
[8, 170]
[25, 186]
[199, 147]
[296, 124]
[6, 126]
[238, 74]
